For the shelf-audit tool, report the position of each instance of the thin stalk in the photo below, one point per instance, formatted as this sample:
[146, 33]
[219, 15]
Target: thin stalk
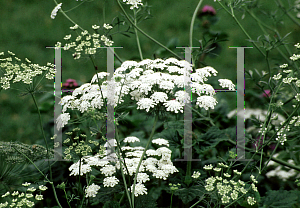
[137, 37]
[52, 185]
[204, 118]
[260, 23]
[144, 33]
[242, 28]
[67, 197]
[98, 81]
[270, 111]
[142, 157]
[193, 21]
[41, 124]
[288, 14]
[43, 133]
[268, 62]
[171, 199]
[121, 168]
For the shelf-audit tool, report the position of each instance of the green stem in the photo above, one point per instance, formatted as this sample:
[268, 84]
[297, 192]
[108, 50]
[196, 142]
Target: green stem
[67, 197]
[260, 23]
[242, 28]
[122, 197]
[121, 168]
[137, 37]
[43, 133]
[171, 199]
[142, 157]
[98, 81]
[203, 117]
[288, 14]
[268, 63]
[144, 33]
[193, 21]
[270, 113]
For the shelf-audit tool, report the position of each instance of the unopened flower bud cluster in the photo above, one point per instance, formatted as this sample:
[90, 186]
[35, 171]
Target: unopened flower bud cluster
[17, 71]
[149, 83]
[228, 189]
[21, 199]
[76, 146]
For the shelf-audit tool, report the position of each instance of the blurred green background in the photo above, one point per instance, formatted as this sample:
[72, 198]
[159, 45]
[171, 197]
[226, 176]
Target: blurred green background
[26, 29]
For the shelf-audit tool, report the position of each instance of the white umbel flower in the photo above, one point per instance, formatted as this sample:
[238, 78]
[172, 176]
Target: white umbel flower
[139, 189]
[206, 102]
[99, 75]
[62, 120]
[145, 103]
[84, 168]
[174, 106]
[92, 190]
[142, 177]
[131, 139]
[160, 141]
[108, 170]
[226, 83]
[110, 181]
[55, 10]
[159, 97]
[182, 96]
[134, 3]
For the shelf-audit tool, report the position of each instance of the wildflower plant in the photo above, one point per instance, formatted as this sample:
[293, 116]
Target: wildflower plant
[132, 171]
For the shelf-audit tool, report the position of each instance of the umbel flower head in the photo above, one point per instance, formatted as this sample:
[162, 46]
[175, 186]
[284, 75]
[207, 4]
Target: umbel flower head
[150, 84]
[16, 71]
[133, 3]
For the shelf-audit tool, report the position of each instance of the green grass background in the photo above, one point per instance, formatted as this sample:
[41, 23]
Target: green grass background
[26, 29]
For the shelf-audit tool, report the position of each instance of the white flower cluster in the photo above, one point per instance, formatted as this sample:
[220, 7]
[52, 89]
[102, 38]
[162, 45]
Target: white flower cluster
[134, 3]
[196, 174]
[86, 42]
[279, 170]
[226, 83]
[160, 168]
[92, 190]
[55, 10]
[23, 199]
[149, 83]
[228, 190]
[16, 71]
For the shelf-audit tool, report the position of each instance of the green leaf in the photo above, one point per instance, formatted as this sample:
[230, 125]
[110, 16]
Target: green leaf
[189, 194]
[111, 204]
[280, 199]
[212, 138]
